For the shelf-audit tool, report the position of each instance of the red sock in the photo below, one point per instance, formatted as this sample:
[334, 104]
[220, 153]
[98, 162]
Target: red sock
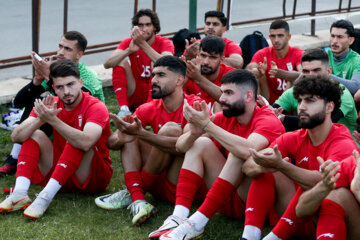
[68, 163]
[188, 184]
[28, 158]
[220, 191]
[260, 200]
[331, 223]
[148, 179]
[291, 225]
[119, 82]
[134, 184]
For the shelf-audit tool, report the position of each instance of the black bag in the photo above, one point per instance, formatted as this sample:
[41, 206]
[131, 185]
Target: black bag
[356, 44]
[251, 44]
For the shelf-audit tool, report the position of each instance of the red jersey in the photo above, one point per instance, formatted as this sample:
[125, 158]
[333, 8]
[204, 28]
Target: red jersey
[192, 88]
[231, 48]
[263, 122]
[297, 145]
[90, 109]
[289, 62]
[155, 115]
[347, 172]
[140, 62]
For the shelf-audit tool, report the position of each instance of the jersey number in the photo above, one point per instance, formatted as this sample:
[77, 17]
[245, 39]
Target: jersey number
[146, 72]
[281, 84]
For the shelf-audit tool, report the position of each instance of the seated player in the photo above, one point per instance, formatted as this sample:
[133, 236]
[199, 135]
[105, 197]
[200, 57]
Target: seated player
[217, 161]
[205, 75]
[149, 159]
[280, 54]
[76, 160]
[292, 158]
[132, 79]
[216, 25]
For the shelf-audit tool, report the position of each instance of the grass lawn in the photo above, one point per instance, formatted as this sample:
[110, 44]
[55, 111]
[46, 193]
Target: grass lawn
[75, 216]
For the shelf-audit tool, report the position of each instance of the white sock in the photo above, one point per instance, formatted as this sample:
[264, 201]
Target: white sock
[199, 219]
[51, 188]
[251, 232]
[22, 185]
[271, 236]
[15, 150]
[181, 211]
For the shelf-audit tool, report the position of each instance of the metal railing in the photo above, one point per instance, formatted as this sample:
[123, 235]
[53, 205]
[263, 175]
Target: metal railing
[36, 6]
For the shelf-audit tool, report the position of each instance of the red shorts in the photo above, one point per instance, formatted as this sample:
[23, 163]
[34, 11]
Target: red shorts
[141, 94]
[98, 180]
[233, 207]
[163, 189]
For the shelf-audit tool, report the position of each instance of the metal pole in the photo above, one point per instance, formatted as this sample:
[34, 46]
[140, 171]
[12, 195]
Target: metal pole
[135, 6]
[294, 9]
[349, 6]
[35, 10]
[340, 3]
[313, 11]
[192, 15]
[284, 8]
[154, 5]
[228, 14]
[65, 15]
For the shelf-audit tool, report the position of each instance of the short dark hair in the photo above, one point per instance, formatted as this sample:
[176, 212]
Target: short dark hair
[149, 13]
[344, 24]
[241, 78]
[172, 63]
[277, 24]
[321, 86]
[63, 68]
[212, 44]
[314, 54]
[218, 15]
[81, 39]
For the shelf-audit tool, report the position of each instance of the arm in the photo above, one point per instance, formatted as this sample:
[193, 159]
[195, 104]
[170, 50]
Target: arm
[237, 145]
[117, 56]
[287, 75]
[26, 129]
[84, 140]
[355, 183]
[272, 159]
[191, 133]
[235, 61]
[310, 201]
[352, 85]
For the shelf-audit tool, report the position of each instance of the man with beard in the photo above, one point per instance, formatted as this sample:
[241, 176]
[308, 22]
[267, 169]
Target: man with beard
[77, 160]
[292, 160]
[72, 46]
[205, 75]
[316, 62]
[281, 55]
[215, 151]
[131, 82]
[344, 61]
[149, 159]
[215, 24]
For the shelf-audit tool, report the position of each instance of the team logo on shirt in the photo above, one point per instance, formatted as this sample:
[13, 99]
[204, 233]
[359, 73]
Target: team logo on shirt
[21, 163]
[80, 120]
[289, 66]
[159, 125]
[288, 220]
[305, 159]
[326, 235]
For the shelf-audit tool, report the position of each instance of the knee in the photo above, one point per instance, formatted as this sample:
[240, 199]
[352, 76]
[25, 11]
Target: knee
[171, 129]
[342, 196]
[201, 145]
